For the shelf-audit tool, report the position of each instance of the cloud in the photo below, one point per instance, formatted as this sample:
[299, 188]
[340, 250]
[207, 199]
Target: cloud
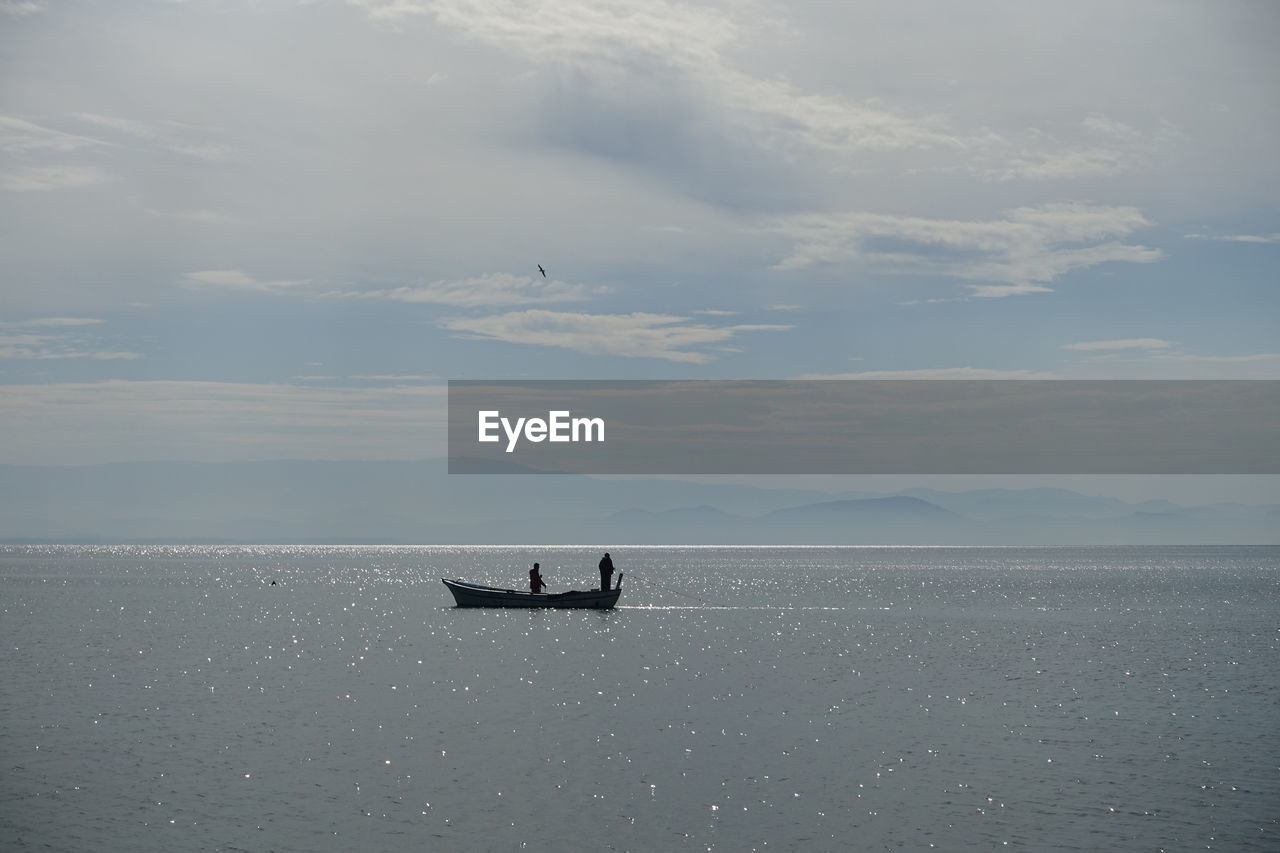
[1219, 359]
[997, 291]
[19, 136]
[1047, 264]
[217, 421]
[485, 290]
[1108, 147]
[20, 8]
[1262, 365]
[636, 335]
[56, 321]
[1157, 363]
[671, 79]
[1125, 344]
[1152, 364]
[233, 280]
[1058, 165]
[162, 134]
[1237, 238]
[31, 346]
[689, 49]
[936, 373]
[1106, 126]
[1155, 358]
[1020, 251]
[16, 342]
[378, 377]
[201, 216]
[427, 186]
[45, 178]
[478, 291]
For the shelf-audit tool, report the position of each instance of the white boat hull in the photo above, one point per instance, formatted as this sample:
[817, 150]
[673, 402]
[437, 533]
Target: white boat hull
[474, 595]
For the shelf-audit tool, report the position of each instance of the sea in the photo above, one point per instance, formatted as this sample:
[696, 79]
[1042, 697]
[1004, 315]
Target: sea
[193, 698]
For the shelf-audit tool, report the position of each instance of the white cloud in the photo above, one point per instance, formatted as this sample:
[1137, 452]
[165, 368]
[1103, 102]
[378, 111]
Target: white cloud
[691, 46]
[44, 178]
[936, 373]
[484, 290]
[998, 291]
[1108, 147]
[1047, 264]
[1157, 363]
[217, 421]
[233, 280]
[31, 346]
[1107, 126]
[56, 321]
[47, 342]
[478, 291]
[1190, 358]
[423, 185]
[1021, 250]
[1237, 238]
[20, 8]
[201, 216]
[637, 335]
[1152, 364]
[989, 287]
[1058, 165]
[607, 49]
[1262, 365]
[164, 134]
[1125, 344]
[19, 136]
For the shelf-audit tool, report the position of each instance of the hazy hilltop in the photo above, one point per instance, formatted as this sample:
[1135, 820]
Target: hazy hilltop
[418, 502]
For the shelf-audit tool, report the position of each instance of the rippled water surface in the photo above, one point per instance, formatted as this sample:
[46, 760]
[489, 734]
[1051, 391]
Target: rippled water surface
[1046, 699]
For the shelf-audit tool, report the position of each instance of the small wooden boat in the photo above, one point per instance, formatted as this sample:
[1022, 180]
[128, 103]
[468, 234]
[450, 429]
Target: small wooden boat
[475, 595]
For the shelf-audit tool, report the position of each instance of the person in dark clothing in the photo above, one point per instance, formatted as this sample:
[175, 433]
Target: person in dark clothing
[535, 580]
[606, 573]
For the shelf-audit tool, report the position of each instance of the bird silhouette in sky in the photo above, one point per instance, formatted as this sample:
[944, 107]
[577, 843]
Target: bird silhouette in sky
[541, 270]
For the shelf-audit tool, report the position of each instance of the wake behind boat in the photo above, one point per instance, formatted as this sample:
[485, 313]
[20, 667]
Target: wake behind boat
[475, 595]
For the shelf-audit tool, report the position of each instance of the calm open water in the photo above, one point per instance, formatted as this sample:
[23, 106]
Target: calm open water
[1042, 699]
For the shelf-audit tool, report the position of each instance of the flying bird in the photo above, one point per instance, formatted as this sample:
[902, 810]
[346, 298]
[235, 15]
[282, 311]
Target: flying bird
[541, 270]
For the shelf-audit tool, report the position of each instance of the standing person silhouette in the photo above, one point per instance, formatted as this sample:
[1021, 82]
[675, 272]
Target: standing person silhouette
[535, 580]
[606, 573]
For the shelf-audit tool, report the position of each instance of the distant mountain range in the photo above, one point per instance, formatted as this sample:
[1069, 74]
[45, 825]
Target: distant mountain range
[851, 521]
[418, 503]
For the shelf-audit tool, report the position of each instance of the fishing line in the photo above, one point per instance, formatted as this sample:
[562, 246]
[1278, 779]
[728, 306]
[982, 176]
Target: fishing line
[702, 601]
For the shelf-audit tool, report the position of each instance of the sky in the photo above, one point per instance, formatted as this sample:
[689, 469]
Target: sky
[262, 229]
